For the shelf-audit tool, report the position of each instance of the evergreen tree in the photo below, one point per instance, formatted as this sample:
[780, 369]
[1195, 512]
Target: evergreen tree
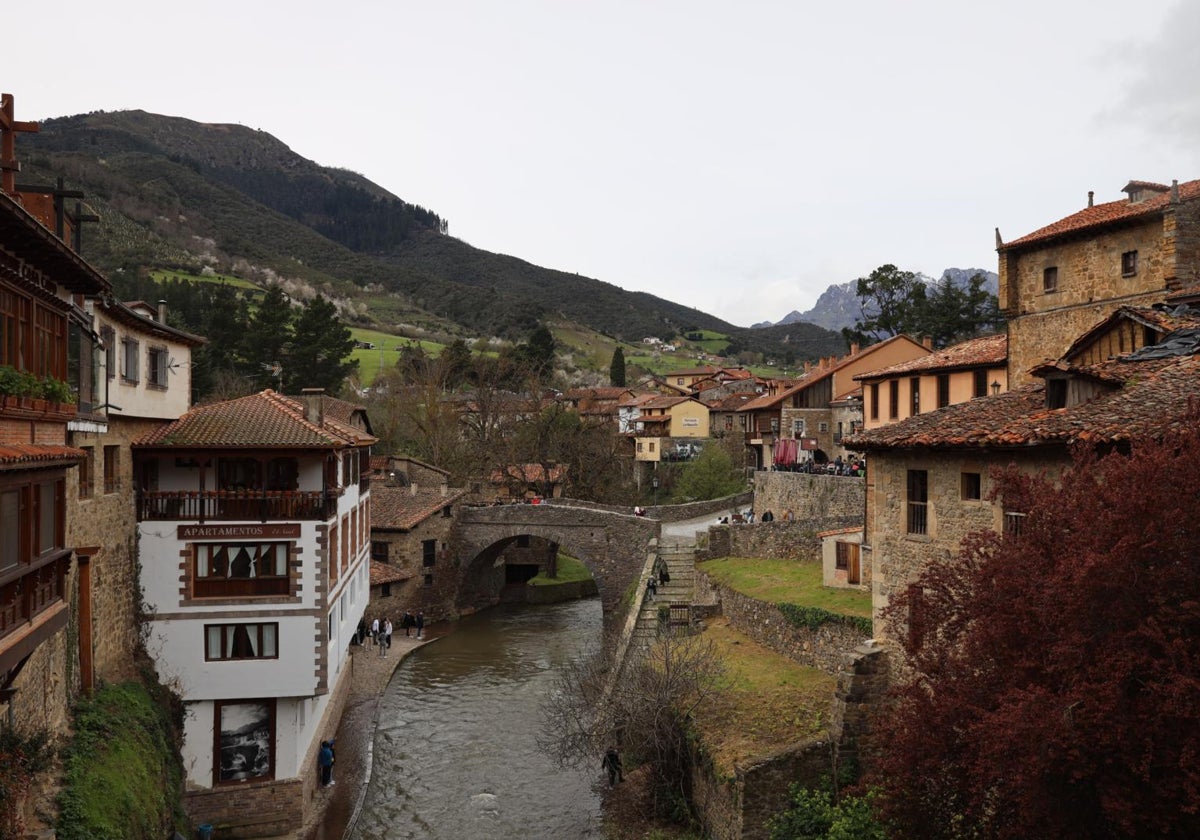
[267, 337]
[616, 370]
[320, 349]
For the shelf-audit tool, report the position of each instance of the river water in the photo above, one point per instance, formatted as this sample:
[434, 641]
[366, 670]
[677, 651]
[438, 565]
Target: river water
[455, 754]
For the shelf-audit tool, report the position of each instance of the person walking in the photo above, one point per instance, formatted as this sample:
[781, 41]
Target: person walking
[375, 631]
[387, 635]
[652, 587]
[420, 622]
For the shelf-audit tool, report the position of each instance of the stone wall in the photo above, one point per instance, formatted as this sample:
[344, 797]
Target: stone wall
[821, 502]
[776, 540]
[823, 648]
[664, 513]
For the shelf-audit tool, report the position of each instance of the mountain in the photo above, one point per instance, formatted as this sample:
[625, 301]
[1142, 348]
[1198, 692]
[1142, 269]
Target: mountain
[177, 194]
[838, 306]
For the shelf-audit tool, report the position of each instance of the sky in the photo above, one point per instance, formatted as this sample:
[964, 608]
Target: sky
[735, 157]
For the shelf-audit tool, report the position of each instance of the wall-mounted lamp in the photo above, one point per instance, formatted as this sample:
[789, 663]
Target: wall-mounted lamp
[995, 387]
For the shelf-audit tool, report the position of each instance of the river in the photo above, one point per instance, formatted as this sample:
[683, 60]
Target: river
[455, 755]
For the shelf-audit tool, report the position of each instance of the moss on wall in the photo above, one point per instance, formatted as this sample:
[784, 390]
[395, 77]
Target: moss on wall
[123, 776]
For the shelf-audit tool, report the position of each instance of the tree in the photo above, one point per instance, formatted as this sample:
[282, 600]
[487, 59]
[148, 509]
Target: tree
[267, 337]
[951, 313]
[711, 475]
[890, 301]
[538, 352]
[1056, 687]
[616, 370]
[320, 350]
[647, 713]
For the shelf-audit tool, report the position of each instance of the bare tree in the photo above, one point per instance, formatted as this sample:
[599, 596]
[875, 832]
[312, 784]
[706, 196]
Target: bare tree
[647, 713]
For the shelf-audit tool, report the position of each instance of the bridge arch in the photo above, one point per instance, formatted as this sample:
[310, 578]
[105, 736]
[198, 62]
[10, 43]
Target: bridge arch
[612, 545]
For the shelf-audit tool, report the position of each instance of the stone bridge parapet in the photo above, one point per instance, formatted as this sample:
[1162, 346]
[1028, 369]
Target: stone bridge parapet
[612, 545]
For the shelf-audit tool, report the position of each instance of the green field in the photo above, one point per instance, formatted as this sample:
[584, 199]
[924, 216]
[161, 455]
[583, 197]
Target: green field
[386, 351]
[569, 571]
[786, 581]
[160, 275]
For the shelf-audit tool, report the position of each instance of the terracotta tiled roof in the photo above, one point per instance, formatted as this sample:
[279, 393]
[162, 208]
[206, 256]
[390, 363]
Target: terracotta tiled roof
[382, 573]
[1101, 215]
[262, 421]
[528, 473]
[638, 400]
[1142, 396]
[732, 402]
[607, 393]
[400, 508]
[664, 402]
[990, 350]
[34, 455]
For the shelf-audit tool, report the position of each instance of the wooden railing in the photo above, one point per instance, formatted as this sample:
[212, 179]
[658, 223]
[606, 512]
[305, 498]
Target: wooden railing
[22, 599]
[261, 505]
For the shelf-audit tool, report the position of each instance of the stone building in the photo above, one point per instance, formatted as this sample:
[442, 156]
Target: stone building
[412, 514]
[254, 532]
[928, 480]
[1060, 280]
[43, 283]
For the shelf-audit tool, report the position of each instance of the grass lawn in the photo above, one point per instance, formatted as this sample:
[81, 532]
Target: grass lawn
[786, 581]
[769, 701]
[569, 571]
[387, 351]
[160, 275]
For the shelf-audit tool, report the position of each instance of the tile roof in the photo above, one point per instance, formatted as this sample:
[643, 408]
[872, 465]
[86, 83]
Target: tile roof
[382, 573]
[608, 393]
[732, 402]
[1139, 396]
[990, 350]
[665, 402]
[266, 420]
[26, 456]
[1162, 318]
[402, 509]
[1102, 215]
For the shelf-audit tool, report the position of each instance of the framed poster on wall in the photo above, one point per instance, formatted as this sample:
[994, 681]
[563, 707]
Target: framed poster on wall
[245, 740]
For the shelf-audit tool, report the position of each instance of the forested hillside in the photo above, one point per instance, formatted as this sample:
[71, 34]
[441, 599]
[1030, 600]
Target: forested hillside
[174, 193]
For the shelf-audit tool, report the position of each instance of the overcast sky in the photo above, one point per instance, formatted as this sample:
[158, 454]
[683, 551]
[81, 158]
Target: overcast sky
[738, 157]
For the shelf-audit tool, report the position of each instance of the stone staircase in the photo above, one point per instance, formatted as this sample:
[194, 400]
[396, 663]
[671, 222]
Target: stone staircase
[680, 558]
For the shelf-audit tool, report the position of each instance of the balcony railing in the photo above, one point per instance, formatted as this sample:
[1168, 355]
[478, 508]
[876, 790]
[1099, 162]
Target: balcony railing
[262, 505]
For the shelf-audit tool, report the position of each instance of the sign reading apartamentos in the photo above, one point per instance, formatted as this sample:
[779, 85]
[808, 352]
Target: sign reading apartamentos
[238, 532]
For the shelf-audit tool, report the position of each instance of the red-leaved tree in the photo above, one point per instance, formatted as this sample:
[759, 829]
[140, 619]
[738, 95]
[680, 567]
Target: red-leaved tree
[1057, 687]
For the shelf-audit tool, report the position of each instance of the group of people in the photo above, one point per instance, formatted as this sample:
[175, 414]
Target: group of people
[381, 631]
[659, 576]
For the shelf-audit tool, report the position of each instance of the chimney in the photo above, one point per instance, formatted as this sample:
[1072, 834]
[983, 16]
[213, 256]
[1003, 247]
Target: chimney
[412, 489]
[1175, 191]
[314, 405]
[445, 489]
[927, 342]
[807, 367]
[1091, 197]
[853, 348]
[162, 312]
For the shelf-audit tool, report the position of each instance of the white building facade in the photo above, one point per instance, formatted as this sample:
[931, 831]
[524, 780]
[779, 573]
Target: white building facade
[254, 539]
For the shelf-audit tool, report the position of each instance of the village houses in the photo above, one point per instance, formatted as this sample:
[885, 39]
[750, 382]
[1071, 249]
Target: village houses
[1101, 347]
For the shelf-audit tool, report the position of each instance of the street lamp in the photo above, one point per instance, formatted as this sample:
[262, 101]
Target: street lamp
[654, 484]
[995, 387]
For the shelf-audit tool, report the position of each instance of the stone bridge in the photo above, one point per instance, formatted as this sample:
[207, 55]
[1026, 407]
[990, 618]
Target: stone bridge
[612, 545]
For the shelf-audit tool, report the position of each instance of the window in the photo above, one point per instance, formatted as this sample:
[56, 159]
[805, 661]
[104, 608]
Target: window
[129, 360]
[156, 367]
[972, 486]
[386, 591]
[798, 428]
[33, 336]
[981, 383]
[914, 390]
[639, 446]
[1013, 523]
[429, 580]
[238, 474]
[1056, 393]
[874, 400]
[241, 641]
[651, 445]
[283, 474]
[109, 338]
[943, 390]
[32, 524]
[1129, 264]
[1050, 279]
[244, 732]
[87, 469]
[822, 427]
[112, 458]
[11, 532]
[240, 570]
[894, 399]
[447, 512]
[428, 552]
[379, 551]
[918, 501]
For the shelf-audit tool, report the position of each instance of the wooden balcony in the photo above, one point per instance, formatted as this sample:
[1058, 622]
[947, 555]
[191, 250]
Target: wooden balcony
[245, 505]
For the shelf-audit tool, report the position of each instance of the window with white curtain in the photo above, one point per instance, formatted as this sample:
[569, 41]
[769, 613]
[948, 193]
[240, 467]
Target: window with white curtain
[241, 641]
